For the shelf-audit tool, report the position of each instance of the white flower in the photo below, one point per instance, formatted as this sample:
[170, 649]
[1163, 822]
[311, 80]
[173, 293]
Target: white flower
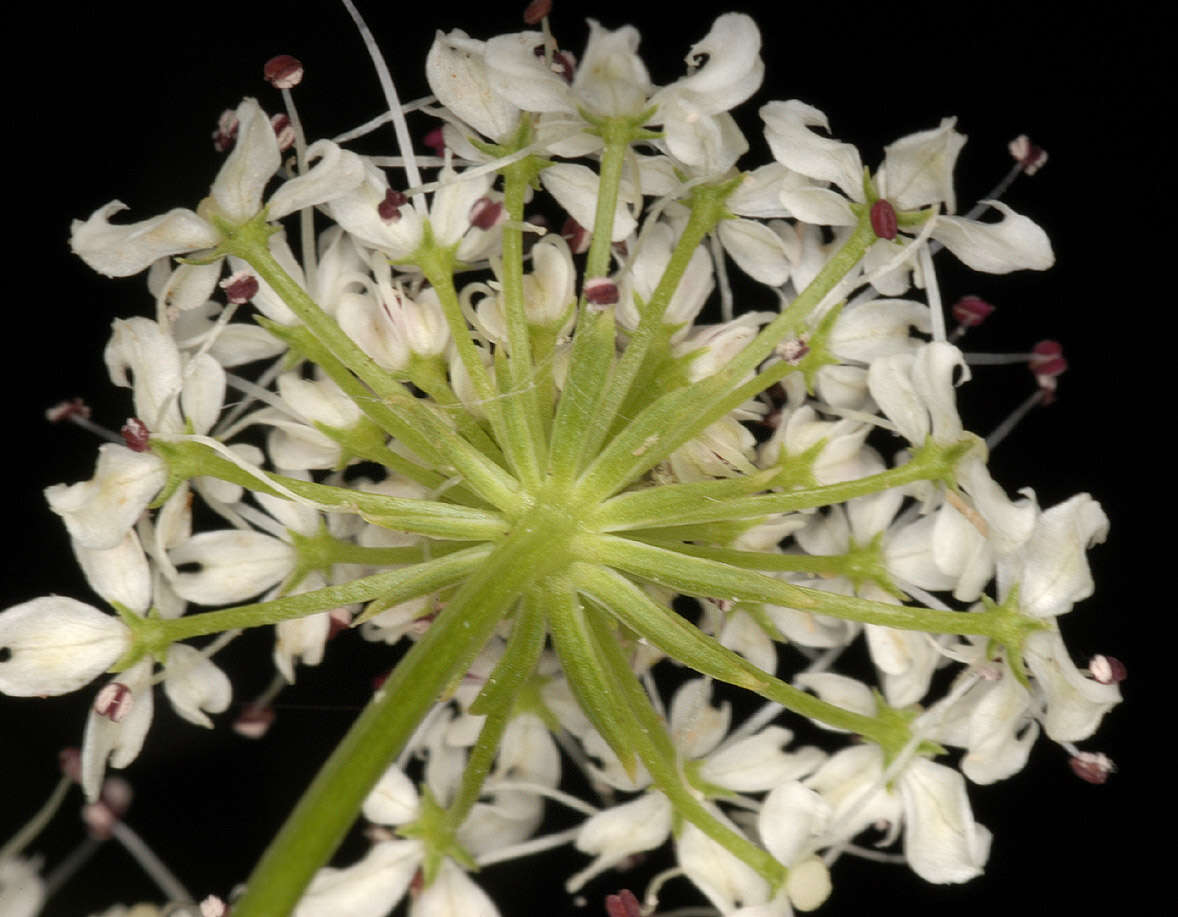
[54, 645]
[100, 512]
[236, 196]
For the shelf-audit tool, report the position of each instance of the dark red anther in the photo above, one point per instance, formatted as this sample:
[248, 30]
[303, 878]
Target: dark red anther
[1047, 363]
[114, 701]
[283, 131]
[486, 213]
[136, 435]
[226, 132]
[341, 620]
[1092, 767]
[577, 236]
[66, 410]
[793, 351]
[601, 291]
[1027, 155]
[436, 141]
[883, 219]
[1108, 670]
[116, 794]
[254, 721]
[971, 311]
[283, 71]
[240, 288]
[390, 208]
[70, 762]
[536, 11]
[623, 904]
[563, 64]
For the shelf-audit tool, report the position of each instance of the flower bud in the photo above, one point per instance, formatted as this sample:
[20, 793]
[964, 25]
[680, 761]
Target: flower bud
[54, 645]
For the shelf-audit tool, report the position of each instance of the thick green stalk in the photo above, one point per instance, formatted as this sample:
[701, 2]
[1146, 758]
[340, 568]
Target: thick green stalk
[329, 806]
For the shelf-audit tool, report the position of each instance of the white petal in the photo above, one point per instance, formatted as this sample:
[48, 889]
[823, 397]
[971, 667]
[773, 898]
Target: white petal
[235, 565]
[193, 684]
[150, 353]
[393, 801]
[335, 172]
[1075, 703]
[451, 894]
[518, 75]
[100, 512]
[918, 169]
[794, 145]
[941, 840]
[575, 189]
[55, 645]
[370, 888]
[890, 382]
[756, 249]
[790, 819]
[119, 742]
[249, 166]
[1016, 243]
[119, 574]
[123, 250]
[819, 206]
[457, 74]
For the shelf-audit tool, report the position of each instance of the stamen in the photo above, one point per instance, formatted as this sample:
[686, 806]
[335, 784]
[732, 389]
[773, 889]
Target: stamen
[600, 291]
[77, 412]
[226, 132]
[537, 10]
[883, 219]
[1092, 767]
[1048, 364]
[136, 435]
[1108, 670]
[623, 904]
[1030, 158]
[969, 312]
[240, 288]
[283, 71]
[114, 701]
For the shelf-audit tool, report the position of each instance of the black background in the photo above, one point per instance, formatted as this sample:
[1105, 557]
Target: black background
[120, 102]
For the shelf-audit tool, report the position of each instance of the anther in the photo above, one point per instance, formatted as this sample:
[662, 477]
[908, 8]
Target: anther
[601, 291]
[212, 906]
[1047, 363]
[1108, 670]
[254, 721]
[486, 213]
[536, 11]
[283, 71]
[1092, 767]
[114, 701]
[793, 351]
[226, 132]
[135, 434]
[883, 219]
[436, 141]
[577, 236]
[390, 208]
[1030, 157]
[283, 131]
[240, 288]
[623, 904]
[971, 311]
[68, 410]
[70, 762]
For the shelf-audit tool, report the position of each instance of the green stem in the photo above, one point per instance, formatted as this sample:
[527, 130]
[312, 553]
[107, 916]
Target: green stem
[329, 806]
[707, 210]
[680, 415]
[392, 585]
[717, 501]
[683, 641]
[704, 578]
[187, 459]
[421, 429]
